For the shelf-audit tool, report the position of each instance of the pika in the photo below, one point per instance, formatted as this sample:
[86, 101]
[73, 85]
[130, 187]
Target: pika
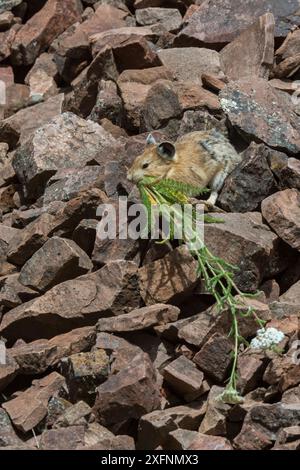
[201, 158]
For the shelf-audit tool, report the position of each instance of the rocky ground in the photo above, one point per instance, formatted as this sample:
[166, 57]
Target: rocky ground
[116, 345]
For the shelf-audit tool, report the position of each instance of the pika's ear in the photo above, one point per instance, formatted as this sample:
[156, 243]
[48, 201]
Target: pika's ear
[151, 140]
[166, 150]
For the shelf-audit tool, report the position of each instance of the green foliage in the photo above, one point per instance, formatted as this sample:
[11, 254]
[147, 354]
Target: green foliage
[217, 274]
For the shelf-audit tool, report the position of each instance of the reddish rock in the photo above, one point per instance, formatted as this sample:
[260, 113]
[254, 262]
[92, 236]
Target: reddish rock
[134, 86]
[84, 372]
[26, 242]
[215, 357]
[214, 421]
[8, 436]
[29, 408]
[189, 63]
[38, 356]
[68, 183]
[75, 415]
[108, 103]
[262, 113]
[246, 242]
[58, 260]
[21, 125]
[155, 427]
[40, 30]
[252, 53]
[250, 371]
[6, 41]
[250, 182]
[263, 424]
[129, 394]
[8, 371]
[282, 212]
[169, 278]
[287, 170]
[209, 24]
[115, 37]
[161, 19]
[283, 371]
[204, 442]
[184, 378]
[13, 293]
[140, 319]
[84, 235]
[290, 46]
[62, 439]
[39, 158]
[110, 291]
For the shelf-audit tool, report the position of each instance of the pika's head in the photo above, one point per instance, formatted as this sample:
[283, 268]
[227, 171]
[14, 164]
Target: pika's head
[155, 161]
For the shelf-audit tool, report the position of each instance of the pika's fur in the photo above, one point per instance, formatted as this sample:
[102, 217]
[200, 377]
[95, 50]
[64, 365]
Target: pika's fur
[201, 158]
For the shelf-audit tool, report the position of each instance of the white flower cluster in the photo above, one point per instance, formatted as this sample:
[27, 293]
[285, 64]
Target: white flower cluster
[266, 338]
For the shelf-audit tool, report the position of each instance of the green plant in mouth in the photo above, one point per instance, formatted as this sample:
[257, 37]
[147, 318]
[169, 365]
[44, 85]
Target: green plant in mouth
[217, 274]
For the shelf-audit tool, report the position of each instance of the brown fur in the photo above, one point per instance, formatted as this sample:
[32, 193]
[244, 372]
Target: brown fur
[192, 163]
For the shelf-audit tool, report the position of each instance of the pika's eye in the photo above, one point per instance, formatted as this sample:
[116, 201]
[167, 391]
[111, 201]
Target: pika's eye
[145, 165]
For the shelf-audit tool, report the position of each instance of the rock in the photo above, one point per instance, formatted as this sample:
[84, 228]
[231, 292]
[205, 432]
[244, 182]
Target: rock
[44, 66]
[158, 285]
[84, 235]
[201, 29]
[7, 38]
[83, 96]
[283, 371]
[204, 442]
[140, 319]
[72, 47]
[252, 53]
[130, 48]
[250, 371]
[260, 112]
[129, 394]
[68, 183]
[288, 303]
[282, 212]
[244, 241]
[8, 436]
[39, 158]
[291, 396]
[21, 125]
[9, 369]
[181, 439]
[98, 437]
[108, 104]
[110, 291]
[189, 63]
[155, 427]
[161, 19]
[7, 5]
[84, 372]
[250, 182]
[184, 378]
[288, 436]
[290, 46]
[215, 357]
[134, 86]
[76, 415]
[263, 424]
[58, 260]
[26, 242]
[29, 408]
[40, 30]
[38, 356]
[214, 421]
[13, 293]
[287, 170]
[62, 439]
